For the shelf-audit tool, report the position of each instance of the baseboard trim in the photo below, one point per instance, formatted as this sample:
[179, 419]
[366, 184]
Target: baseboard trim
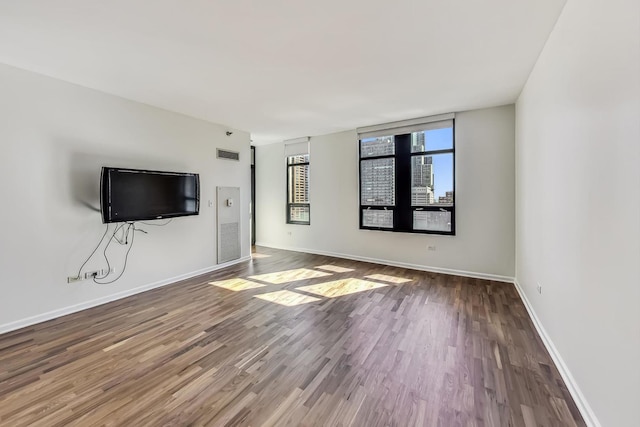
[581, 402]
[418, 267]
[30, 321]
[583, 406]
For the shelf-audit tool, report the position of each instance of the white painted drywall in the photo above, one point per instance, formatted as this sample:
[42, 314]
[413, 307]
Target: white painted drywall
[485, 197]
[54, 137]
[578, 200]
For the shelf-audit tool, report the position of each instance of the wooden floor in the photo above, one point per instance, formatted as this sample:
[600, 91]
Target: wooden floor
[290, 339]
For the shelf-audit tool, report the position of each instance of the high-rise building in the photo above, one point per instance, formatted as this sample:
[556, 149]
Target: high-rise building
[380, 146]
[300, 184]
[422, 186]
[378, 175]
[417, 142]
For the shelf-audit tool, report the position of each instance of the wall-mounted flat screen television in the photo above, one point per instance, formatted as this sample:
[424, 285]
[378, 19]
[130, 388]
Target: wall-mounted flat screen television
[137, 195]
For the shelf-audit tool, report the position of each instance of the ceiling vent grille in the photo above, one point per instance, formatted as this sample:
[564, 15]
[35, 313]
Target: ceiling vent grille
[227, 155]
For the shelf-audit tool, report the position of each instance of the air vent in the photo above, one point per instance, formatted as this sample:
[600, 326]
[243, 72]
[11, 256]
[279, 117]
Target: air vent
[227, 155]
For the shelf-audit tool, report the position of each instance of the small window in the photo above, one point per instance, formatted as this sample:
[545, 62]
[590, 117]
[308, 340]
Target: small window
[298, 208]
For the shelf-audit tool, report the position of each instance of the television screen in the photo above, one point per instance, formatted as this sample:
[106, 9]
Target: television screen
[136, 195]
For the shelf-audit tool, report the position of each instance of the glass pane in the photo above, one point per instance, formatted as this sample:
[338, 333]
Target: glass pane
[432, 180]
[380, 146]
[378, 182]
[432, 220]
[293, 160]
[299, 213]
[433, 139]
[299, 184]
[377, 218]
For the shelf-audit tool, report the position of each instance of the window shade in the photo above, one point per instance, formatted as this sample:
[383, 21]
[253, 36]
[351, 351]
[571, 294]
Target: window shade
[296, 147]
[407, 126]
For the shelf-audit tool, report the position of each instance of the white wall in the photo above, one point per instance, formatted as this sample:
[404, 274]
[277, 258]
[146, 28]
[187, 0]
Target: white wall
[578, 200]
[54, 137]
[485, 197]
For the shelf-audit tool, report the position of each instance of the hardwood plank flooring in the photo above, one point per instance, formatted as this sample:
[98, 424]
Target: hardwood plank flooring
[290, 339]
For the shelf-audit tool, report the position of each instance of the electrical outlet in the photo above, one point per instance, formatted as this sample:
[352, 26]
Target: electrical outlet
[431, 248]
[73, 279]
[539, 288]
[288, 233]
[91, 274]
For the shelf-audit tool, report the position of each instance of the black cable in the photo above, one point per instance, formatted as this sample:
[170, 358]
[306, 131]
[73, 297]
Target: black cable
[114, 237]
[93, 252]
[120, 240]
[104, 252]
[126, 257]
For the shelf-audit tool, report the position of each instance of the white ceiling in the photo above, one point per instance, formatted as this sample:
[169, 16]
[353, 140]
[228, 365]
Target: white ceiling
[283, 69]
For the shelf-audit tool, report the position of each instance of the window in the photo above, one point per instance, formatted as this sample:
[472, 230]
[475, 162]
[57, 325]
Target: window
[298, 208]
[407, 176]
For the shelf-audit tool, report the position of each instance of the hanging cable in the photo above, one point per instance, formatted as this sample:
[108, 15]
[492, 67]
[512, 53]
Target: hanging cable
[126, 257]
[156, 225]
[106, 230]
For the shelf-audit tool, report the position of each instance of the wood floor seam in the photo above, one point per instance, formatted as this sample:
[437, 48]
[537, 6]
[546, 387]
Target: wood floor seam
[290, 339]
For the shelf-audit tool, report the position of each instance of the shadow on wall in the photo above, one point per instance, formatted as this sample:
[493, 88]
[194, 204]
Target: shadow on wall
[66, 198]
[79, 168]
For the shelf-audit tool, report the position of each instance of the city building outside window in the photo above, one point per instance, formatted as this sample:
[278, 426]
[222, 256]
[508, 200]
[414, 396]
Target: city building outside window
[298, 207]
[407, 176]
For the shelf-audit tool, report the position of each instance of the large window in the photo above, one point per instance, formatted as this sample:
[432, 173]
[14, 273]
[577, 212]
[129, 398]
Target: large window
[407, 177]
[298, 208]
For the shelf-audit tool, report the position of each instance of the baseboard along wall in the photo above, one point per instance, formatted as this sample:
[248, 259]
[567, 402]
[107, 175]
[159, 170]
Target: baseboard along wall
[29, 321]
[475, 275]
[577, 395]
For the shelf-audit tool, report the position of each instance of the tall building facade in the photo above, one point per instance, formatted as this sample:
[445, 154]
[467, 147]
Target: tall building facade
[300, 184]
[378, 175]
[422, 181]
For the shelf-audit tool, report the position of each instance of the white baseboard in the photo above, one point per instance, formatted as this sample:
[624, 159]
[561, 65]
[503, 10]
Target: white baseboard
[581, 402]
[29, 321]
[583, 406]
[419, 267]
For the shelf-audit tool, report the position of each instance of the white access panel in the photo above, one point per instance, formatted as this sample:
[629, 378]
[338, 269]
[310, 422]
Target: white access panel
[228, 206]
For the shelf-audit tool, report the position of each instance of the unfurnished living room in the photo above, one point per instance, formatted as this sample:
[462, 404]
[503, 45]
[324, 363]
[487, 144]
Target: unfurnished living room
[328, 213]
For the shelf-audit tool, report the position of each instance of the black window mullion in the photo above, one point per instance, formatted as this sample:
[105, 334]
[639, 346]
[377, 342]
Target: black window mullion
[403, 217]
[403, 211]
[432, 152]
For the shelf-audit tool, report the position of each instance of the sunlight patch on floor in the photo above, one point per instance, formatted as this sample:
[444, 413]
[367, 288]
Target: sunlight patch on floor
[387, 278]
[287, 298]
[335, 268]
[287, 276]
[237, 284]
[339, 288]
[258, 256]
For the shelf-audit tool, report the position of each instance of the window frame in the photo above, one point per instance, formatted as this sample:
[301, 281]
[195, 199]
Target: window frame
[289, 205]
[403, 208]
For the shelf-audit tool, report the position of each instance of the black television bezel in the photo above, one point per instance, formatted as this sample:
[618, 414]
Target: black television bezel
[105, 195]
